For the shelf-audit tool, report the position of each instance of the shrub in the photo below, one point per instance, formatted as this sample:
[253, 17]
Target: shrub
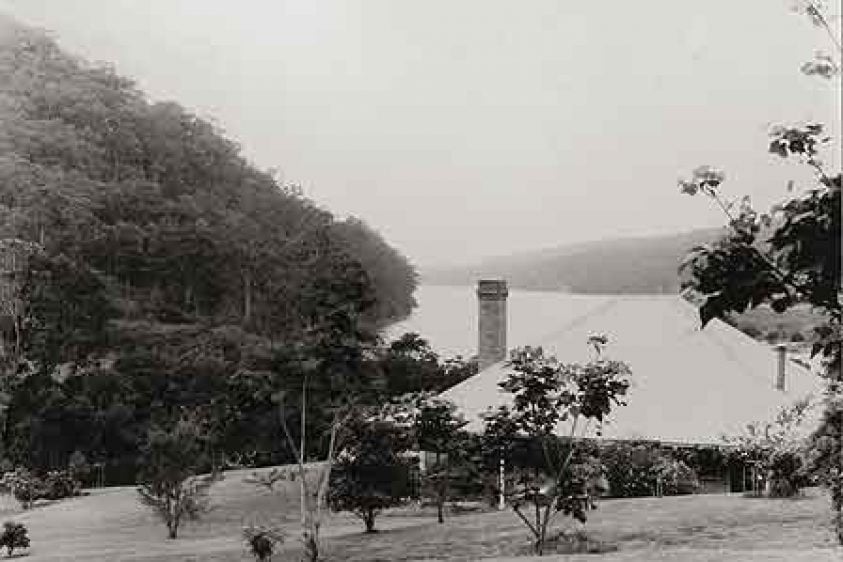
[14, 536]
[262, 541]
[27, 487]
[643, 469]
[778, 450]
[676, 477]
[787, 474]
[170, 483]
[370, 474]
[22, 484]
[630, 469]
[78, 465]
[59, 484]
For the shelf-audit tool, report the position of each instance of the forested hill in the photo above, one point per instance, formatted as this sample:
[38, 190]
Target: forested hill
[140, 249]
[159, 215]
[620, 266]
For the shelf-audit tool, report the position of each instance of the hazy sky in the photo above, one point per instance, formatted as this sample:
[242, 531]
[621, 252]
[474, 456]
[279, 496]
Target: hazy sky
[464, 128]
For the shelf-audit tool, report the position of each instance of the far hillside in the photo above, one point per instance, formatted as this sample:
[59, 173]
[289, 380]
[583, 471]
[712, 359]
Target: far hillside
[645, 265]
[616, 266]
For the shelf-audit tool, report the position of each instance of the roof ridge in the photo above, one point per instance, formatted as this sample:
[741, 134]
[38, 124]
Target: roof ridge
[579, 320]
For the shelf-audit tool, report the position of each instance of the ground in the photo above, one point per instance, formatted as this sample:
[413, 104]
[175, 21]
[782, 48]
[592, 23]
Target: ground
[110, 525]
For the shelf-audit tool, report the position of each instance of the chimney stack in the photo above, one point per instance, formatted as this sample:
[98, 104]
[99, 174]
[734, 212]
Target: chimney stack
[491, 300]
[781, 352]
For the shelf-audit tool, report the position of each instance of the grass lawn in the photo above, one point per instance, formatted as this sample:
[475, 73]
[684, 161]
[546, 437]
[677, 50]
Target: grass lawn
[109, 525]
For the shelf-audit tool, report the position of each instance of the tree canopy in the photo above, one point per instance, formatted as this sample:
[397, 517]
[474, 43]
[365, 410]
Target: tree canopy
[139, 247]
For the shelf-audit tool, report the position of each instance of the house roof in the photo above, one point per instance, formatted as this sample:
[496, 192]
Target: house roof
[688, 385]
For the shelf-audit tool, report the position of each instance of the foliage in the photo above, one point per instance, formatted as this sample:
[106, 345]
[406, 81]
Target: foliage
[437, 431]
[370, 474]
[778, 449]
[59, 484]
[547, 394]
[15, 535]
[825, 451]
[23, 485]
[788, 257]
[409, 365]
[644, 469]
[171, 485]
[148, 255]
[262, 541]
[28, 487]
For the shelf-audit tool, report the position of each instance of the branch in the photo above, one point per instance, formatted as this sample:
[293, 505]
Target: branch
[329, 462]
[571, 449]
[525, 520]
[782, 276]
[292, 444]
[815, 13]
[568, 458]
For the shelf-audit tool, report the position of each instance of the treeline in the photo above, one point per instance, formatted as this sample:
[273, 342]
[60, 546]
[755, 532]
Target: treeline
[227, 384]
[147, 268]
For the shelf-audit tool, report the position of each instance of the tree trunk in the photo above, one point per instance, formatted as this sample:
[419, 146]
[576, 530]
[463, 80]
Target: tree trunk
[539, 546]
[837, 505]
[369, 519]
[440, 511]
[247, 297]
[837, 486]
[302, 446]
[311, 546]
[172, 528]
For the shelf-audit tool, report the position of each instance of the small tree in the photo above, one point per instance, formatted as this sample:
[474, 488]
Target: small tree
[23, 485]
[547, 393]
[438, 430]
[370, 474]
[170, 481]
[14, 536]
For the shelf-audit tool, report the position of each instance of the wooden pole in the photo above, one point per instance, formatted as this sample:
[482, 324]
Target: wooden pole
[502, 485]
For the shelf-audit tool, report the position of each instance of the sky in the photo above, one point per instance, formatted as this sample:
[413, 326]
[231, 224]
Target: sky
[464, 129]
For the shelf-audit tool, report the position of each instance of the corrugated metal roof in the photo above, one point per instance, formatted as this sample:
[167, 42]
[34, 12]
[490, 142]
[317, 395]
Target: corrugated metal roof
[689, 385]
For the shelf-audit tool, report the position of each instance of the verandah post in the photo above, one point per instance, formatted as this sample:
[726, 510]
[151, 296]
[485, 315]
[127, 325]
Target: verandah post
[502, 485]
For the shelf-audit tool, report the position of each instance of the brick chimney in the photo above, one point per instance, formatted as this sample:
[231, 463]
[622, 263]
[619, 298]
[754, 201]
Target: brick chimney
[781, 363]
[491, 301]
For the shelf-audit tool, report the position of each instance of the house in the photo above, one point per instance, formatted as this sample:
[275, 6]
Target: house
[690, 386]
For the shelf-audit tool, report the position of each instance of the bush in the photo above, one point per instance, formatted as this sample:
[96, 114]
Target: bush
[78, 465]
[262, 541]
[787, 474]
[630, 469]
[676, 477]
[23, 485]
[14, 536]
[59, 484]
[27, 487]
[643, 469]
